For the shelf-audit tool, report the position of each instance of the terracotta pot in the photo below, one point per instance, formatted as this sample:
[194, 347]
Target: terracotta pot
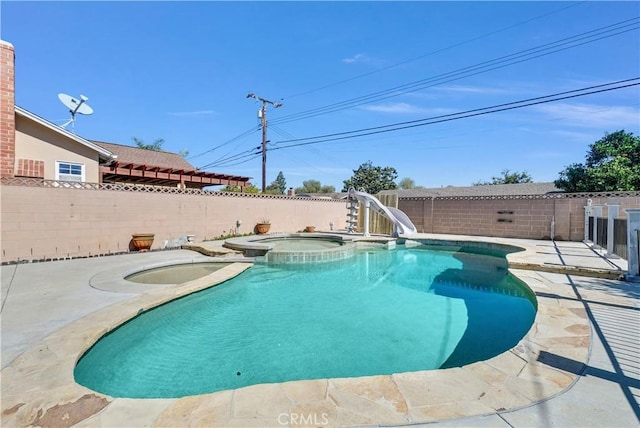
[310, 229]
[142, 241]
[263, 228]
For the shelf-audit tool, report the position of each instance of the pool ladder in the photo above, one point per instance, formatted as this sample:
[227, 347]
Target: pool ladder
[352, 214]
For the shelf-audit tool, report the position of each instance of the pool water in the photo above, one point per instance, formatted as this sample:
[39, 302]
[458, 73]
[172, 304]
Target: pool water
[382, 312]
[175, 274]
[301, 244]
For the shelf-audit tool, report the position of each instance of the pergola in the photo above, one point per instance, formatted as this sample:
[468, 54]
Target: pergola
[127, 172]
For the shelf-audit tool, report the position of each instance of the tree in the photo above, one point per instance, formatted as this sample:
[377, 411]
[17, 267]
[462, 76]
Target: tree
[612, 164]
[372, 179]
[249, 188]
[407, 183]
[309, 186]
[314, 186]
[278, 186]
[156, 146]
[508, 177]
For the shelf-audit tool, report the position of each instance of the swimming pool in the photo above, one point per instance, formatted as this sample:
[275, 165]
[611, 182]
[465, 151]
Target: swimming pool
[381, 312]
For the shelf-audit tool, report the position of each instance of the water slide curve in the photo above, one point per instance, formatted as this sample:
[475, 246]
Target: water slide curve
[400, 220]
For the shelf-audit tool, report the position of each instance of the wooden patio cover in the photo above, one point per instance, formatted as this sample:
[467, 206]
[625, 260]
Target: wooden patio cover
[127, 172]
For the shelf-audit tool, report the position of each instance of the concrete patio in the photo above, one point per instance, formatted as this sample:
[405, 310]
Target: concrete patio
[578, 366]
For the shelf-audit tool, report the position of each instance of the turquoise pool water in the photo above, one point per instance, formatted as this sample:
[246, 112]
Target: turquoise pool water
[382, 312]
[301, 244]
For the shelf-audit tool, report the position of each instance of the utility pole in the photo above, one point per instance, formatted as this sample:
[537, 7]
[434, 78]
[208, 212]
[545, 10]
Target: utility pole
[263, 117]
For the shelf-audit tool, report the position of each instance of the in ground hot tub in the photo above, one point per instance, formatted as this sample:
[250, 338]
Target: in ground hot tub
[295, 248]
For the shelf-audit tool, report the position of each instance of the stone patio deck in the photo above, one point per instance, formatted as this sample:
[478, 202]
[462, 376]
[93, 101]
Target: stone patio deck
[581, 353]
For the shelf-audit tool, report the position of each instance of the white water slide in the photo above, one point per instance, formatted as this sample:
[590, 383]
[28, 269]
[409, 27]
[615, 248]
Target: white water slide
[401, 222]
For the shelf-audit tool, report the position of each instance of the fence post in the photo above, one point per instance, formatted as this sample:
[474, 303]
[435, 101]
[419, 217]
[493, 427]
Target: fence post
[597, 213]
[587, 214]
[633, 226]
[612, 214]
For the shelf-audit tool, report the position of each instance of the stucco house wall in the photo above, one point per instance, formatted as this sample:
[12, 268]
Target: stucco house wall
[38, 143]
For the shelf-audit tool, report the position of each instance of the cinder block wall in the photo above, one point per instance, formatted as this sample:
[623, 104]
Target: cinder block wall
[50, 223]
[528, 218]
[502, 218]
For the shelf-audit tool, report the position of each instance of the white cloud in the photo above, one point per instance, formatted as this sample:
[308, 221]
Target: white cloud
[196, 113]
[545, 154]
[405, 108]
[591, 115]
[576, 136]
[356, 58]
[484, 90]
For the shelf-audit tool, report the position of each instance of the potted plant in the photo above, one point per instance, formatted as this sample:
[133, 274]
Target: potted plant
[263, 226]
[142, 241]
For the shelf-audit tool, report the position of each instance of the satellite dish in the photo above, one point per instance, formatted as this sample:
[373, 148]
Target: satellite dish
[75, 106]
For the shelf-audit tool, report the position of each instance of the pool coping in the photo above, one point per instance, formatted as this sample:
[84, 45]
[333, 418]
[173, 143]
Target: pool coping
[38, 386]
[256, 242]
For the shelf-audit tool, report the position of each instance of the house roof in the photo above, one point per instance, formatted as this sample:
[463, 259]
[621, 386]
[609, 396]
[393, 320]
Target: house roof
[136, 155]
[521, 189]
[136, 165]
[104, 153]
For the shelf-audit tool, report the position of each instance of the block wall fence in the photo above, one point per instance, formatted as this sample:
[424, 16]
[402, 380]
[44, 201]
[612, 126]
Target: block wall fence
[40, 223]
[527, 217]
[43, 219]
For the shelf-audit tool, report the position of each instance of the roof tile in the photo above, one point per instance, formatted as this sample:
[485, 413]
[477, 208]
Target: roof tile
[128, 154]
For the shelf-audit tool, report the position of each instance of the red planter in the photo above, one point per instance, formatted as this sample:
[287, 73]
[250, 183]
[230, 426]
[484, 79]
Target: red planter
[263, 228]
[142, 241]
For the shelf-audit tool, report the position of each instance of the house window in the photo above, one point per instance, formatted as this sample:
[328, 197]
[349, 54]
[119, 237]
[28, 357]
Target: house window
[68, 171]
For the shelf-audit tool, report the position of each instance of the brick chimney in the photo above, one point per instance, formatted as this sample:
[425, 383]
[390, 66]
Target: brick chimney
[7, 110]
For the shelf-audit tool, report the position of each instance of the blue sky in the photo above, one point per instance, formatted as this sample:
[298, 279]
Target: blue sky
[181, 71]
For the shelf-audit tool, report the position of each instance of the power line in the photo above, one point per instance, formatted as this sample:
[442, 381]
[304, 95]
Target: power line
[236, 160]
[244, 134]
[464, 112]
[483, 67]
[439, 119]
[226, 156]
[225, 160]
[282, 131]
[254, 129]
[434, 52]
[521, 56]
[451, 76]
[461, 115]
[442, 118]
